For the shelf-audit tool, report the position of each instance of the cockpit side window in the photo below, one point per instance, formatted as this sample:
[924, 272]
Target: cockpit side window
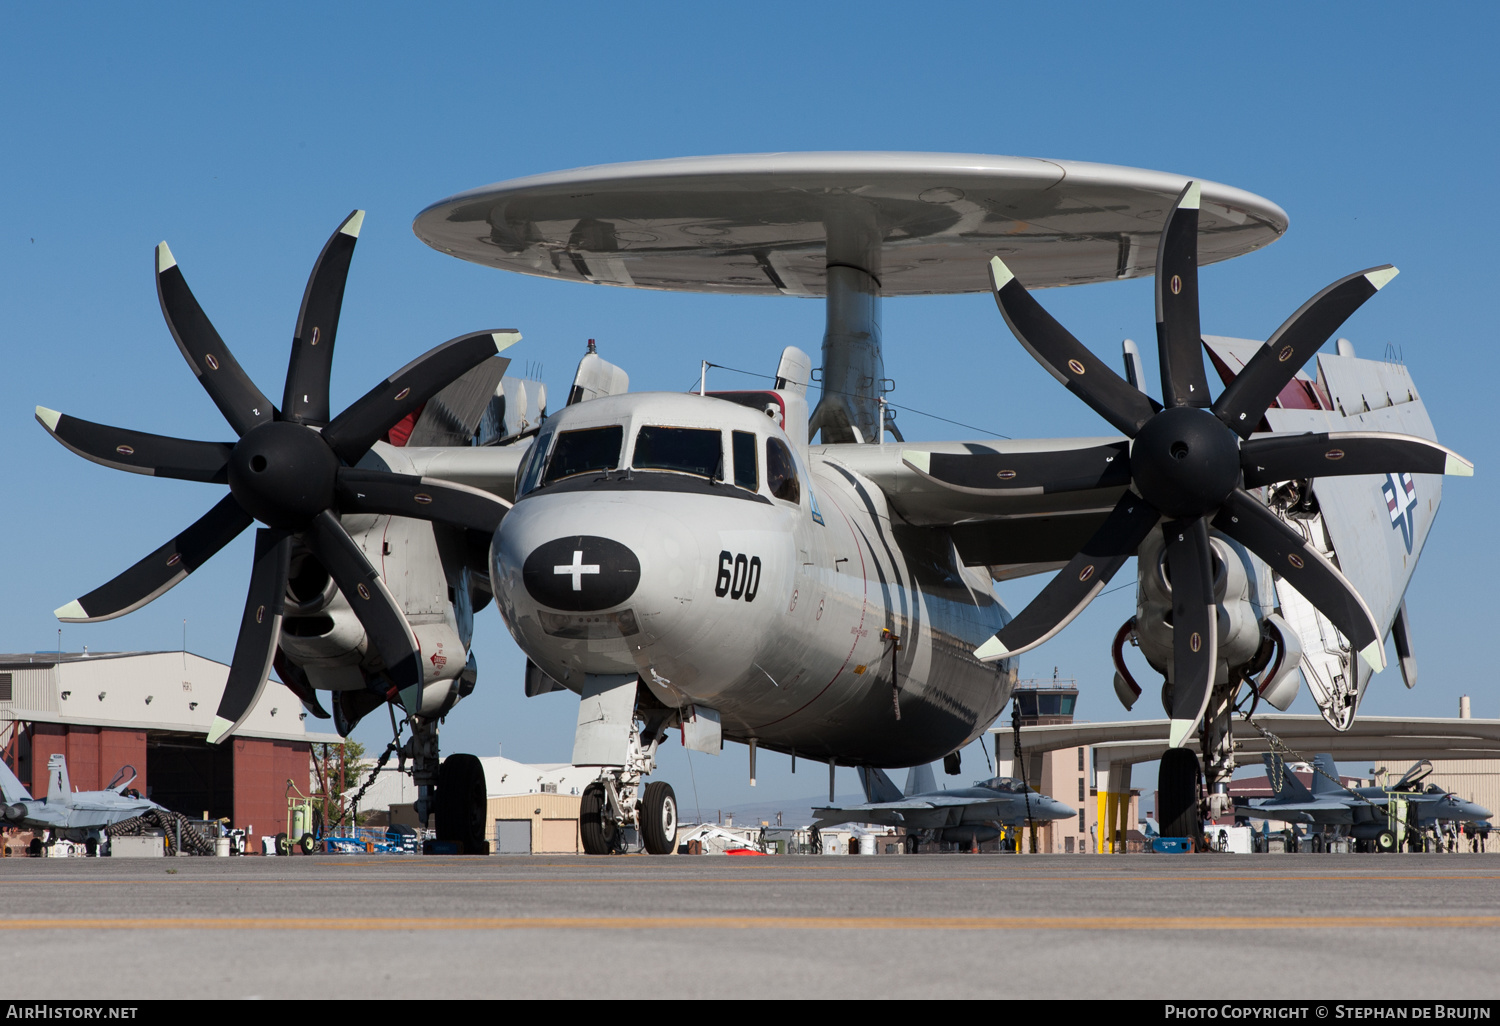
[781, 472]
[531, 463]
[746, 474]
[583, 451]
[687, 450]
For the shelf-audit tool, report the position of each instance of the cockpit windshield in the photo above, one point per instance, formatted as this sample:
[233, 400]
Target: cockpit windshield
[687, 450]
[584, 451]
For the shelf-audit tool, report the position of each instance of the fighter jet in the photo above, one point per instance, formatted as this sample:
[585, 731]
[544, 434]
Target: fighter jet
[963, 816]
[1363, 813]
[67, 814]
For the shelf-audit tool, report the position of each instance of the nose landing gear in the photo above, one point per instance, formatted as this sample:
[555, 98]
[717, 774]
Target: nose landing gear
[617, 800]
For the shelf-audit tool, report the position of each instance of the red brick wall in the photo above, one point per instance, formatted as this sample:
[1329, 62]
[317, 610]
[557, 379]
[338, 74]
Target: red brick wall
[83, 759]
[261, 770]
[119, 748]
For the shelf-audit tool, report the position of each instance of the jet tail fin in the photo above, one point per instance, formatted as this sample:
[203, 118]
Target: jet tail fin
[878, 786]
[11, 788]
[1326, 776]
[59, 791]
[919, 780]
[1284, 783]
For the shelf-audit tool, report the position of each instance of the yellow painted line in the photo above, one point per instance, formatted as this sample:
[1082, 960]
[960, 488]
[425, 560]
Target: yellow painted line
[1302, 923]
[752, 922]
[757, 880]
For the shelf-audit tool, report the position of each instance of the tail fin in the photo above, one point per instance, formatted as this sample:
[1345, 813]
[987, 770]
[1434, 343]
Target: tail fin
[1326, 777]
[59, 792]
[878, 786]
[1284, 783]
[11, 788]
[919, 780]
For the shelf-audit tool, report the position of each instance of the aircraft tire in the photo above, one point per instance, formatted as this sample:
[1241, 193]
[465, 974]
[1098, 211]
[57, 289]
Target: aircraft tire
[462, 801]
[1177, 784]
[1385, 842]
[659, 818]
[597, 833]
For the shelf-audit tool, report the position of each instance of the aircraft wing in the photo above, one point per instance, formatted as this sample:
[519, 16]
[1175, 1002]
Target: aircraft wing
[923, 813]
[987, 493]
[1331, 812]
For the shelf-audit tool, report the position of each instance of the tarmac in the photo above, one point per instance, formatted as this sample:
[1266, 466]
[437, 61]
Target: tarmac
[925, 926]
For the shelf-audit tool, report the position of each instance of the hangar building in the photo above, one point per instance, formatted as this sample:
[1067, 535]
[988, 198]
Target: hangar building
[152, 710]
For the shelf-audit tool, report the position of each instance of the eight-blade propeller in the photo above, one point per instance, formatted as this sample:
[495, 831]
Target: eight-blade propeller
[291, 469]
[1191, 462]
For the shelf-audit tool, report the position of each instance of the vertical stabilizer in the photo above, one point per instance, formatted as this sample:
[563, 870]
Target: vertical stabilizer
[11, 788]
[919, 780]
[1326, 777]
[59, 791]
[1284, 783]
[878, 787]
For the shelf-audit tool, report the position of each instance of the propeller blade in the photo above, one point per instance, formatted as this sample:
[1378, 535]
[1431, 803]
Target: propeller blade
[260, 627]
[163, 569]
[1344, 453]
[383, 620]
[1026, 473]
[1273, 366]
[295, 679]
[1250, 523]
[1179, 339]
[360, 426]
[138, 452]
[220, 374]
[1195, 634]
[1067, 359]
[1076, 584]
[424, 498]
[305, 399]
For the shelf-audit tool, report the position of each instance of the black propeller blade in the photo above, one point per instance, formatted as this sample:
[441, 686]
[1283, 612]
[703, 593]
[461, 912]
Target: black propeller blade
[305, 397]
[1076, 584]
[220, 374]
[363, 424]
[138, 452]
[1195, 634]
[290, 475]
[1248, 397]
[165, 568]
[260, 626]
[1189, 462]
[1179, 340]
[1344, 453]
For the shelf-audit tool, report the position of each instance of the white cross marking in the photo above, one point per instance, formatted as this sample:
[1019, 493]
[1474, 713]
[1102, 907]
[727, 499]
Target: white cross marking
[578, 569]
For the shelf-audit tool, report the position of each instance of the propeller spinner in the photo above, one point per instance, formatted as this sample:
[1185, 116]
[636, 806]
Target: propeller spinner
[292, 470]
[1191, 463]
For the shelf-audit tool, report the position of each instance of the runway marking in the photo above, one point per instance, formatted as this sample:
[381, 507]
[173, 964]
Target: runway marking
[1146, 923]
[758, 880]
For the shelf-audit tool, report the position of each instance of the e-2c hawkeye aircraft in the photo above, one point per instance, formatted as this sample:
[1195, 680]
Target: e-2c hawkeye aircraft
[696, 561]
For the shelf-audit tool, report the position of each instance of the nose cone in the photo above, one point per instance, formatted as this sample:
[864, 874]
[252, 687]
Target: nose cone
[1059, 810]
[581, 573]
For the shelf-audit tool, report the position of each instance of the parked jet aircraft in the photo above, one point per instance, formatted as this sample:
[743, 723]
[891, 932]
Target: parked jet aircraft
[693, 561]
[1363, 813]
[67, 814]
[962, 816]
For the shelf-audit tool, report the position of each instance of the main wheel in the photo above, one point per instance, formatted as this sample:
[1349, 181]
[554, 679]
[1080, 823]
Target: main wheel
[1385, 841]
[1177, 786]
[462, 801]
[659, 818]
[594, 827]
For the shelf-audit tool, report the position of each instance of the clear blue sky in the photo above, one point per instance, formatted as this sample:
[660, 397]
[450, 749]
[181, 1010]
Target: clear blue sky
[243, 134]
